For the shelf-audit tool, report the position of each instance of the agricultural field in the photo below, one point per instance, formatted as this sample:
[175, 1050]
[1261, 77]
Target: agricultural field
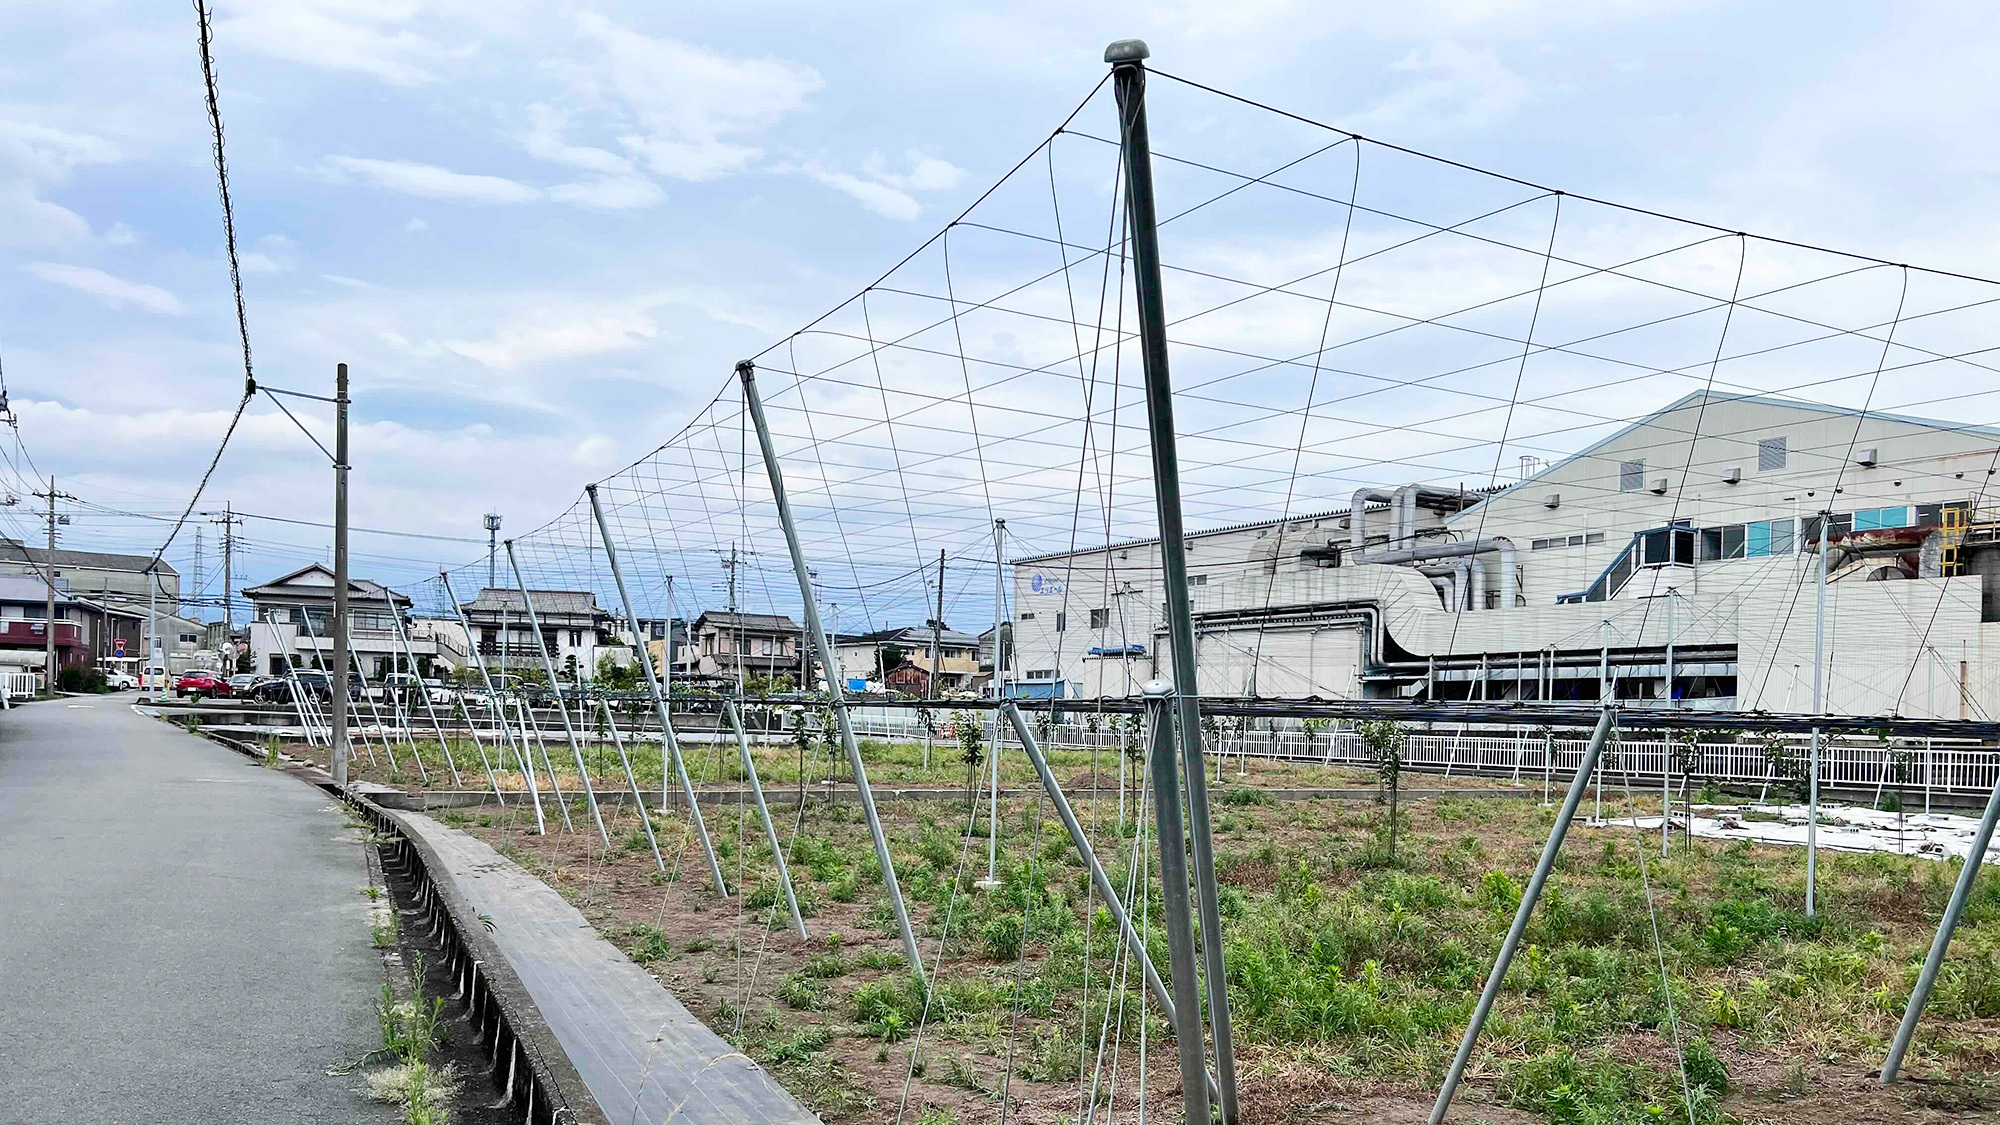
[1648, 989]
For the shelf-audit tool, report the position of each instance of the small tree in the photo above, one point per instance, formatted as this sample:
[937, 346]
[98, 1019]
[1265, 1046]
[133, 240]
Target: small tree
[888, 658]
[972, 747]
[1386, 741]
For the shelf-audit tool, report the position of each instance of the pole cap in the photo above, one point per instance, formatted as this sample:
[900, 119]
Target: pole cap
[1158, 689]
[1127, 51]
[746, 369]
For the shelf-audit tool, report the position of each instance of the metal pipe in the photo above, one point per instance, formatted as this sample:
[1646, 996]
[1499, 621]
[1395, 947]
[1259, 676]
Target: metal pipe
[1960, 892]
[1174, 896]
[764, 814]
[526, 715]
[670, 743]
[1129, 73]
[1819, 708]
[423, 689]
[1357, 521]
[638, 798]
[746, 372]
[499, 716]
[1521, 915]
[472, 729]
[549, 667]
[1112, 904]
[999, 681]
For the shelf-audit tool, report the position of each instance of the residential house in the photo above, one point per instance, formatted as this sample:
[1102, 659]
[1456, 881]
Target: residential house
[862, 655]
[291, 617]
[576, 630]
[750, 644]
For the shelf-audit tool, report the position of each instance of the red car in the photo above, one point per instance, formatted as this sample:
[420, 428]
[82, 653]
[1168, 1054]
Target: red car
[199, 684]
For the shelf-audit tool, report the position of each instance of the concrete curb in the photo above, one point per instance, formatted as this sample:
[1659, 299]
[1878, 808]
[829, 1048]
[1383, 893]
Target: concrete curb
[528, 1064]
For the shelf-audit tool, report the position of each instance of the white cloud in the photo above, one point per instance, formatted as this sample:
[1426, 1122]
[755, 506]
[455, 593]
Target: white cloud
[113, 292]
[363, 36]
[554, 337]
[613, 193]
[697, 110]
[544, 141]
[416, 226]
[886, 193]
[350, 282]
[432, 182]
[33, 157]
[1458, 88]
[121, 235]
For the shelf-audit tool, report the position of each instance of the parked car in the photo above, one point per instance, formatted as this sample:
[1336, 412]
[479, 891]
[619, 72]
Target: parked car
[242, 683]
[198, 685]
[121, 681]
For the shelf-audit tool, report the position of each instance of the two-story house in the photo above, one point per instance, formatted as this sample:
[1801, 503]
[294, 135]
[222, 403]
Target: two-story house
[577, 631]
[290, 616]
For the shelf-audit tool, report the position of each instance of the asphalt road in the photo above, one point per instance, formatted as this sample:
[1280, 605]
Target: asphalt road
[183, 935]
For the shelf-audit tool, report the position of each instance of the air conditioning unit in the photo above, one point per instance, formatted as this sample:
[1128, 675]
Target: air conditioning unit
[1659, 487]
[1867, 458]
[1733, 476]
[1554, 501]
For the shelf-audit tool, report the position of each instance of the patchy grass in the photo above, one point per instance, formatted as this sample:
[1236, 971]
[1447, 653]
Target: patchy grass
[1352, 971]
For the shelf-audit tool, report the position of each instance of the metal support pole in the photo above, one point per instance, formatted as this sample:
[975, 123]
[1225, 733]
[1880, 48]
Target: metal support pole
[472, 729]
[1128, 69]
[1967, 875]
[341, 750]
[638, 798]
[764, 813]
[1112, 904]
[527, 716]
[746, 372]
[330, 701]
[1174, 897]
[1819, 708]
[1501, 963]
[670, 743]
[424, 690]
[548, 666]
[500, 716]
[992, 880]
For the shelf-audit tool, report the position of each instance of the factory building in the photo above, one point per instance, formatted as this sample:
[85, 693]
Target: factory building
[1674, 563]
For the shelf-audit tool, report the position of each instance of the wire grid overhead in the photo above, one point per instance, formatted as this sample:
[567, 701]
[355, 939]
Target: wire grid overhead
[1342, 313]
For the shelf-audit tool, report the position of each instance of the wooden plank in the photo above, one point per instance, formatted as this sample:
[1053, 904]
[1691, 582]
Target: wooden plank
[644, 1056]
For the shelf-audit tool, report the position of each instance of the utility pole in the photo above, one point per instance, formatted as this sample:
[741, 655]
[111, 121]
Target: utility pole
[228, 519]
[340, 750]
[492, 543]
[1128, 70]
[49, 578]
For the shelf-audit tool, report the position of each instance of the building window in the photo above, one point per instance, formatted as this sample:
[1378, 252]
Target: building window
[1722, 542]
[1040, 674]
[1593, 538]
[1631, 476]
[1770, 454]
[1843, 522]
[1027, 617]
[1199, 580]
[1767, 537]
[1062, 620]
[1100, 618]
[190, 638]
[1869, 519]
[576, 638]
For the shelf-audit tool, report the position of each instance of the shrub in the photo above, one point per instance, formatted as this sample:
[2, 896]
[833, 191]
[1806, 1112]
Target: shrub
[1704, 1070]
[1001, 937]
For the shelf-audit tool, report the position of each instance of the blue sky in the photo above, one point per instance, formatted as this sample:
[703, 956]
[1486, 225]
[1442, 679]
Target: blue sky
[540, 234]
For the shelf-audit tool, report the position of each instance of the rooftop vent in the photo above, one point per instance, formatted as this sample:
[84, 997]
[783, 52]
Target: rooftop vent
[1733, 476]
[1554, 501]
[1867, 458]
[1659, 486]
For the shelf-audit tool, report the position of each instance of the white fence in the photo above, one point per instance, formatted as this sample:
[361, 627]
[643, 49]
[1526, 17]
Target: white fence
[18, 685]
[1845, 763]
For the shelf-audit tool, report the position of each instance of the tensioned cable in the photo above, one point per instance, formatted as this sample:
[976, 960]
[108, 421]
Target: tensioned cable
[1305, 420]
[1528, 183]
